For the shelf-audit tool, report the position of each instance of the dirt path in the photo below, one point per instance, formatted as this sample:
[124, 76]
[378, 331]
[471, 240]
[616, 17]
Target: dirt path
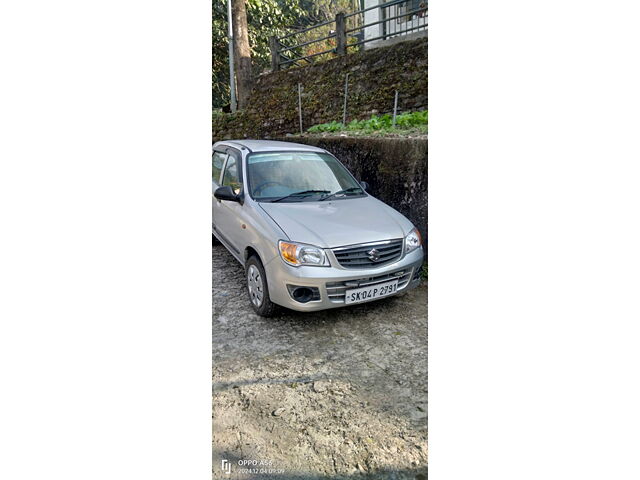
[334, 394]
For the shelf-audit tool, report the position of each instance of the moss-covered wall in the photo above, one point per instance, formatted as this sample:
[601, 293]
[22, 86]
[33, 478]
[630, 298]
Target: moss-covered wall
[394, 168]
[374, 76]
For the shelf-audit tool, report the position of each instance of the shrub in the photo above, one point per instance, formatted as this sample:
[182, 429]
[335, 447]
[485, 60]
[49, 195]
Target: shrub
[382, 123]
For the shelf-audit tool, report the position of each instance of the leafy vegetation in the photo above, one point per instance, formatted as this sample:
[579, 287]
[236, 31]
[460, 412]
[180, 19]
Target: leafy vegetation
[414, 121]
[327, 127]
[273, 17]
[424, 274]
[265, 18]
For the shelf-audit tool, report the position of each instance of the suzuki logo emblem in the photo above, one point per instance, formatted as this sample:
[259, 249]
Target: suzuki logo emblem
[374, 255]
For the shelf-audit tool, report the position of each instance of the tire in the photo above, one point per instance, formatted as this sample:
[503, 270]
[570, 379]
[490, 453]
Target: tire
[257, 288]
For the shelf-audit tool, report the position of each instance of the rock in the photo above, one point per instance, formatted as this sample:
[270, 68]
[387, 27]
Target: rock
[277, 412]
[319, 387]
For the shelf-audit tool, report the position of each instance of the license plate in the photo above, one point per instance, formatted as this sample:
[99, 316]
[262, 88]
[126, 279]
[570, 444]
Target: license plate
[364, 294]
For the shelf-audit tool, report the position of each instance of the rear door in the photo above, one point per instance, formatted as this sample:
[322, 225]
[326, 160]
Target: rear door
[218, 160]
[229, 216]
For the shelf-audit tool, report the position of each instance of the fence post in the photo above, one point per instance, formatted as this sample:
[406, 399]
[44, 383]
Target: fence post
[395, 108]
[341, 34]
[300, 105]
[275, 53]
[346, 92]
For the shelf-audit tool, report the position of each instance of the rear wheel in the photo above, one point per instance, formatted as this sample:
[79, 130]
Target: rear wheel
[258, 289]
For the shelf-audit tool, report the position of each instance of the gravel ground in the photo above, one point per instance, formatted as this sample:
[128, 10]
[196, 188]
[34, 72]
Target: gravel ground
[334, 394]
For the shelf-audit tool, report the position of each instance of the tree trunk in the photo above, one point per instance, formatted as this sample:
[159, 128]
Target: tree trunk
[242, 52]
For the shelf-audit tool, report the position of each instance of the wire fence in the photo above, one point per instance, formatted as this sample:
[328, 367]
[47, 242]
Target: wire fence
[349, 32]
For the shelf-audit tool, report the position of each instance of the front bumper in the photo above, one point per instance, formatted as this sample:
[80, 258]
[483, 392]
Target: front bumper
[330, 281]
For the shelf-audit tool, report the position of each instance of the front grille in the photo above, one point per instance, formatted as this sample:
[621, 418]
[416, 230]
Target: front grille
[336, 290]
[369, 255]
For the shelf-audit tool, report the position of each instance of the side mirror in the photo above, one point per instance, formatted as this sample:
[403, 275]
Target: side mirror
[365, 185]
[226, 193]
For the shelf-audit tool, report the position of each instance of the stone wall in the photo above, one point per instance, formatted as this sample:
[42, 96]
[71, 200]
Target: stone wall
[374, 76]
[395, 169]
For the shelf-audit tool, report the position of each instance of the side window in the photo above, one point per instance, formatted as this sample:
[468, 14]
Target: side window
[218, 162]
[232, 175]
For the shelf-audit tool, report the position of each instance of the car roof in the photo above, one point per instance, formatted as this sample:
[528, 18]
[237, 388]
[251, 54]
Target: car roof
[269, 145]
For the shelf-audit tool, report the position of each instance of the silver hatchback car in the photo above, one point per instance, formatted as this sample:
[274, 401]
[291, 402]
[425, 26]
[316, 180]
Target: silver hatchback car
[306, 231]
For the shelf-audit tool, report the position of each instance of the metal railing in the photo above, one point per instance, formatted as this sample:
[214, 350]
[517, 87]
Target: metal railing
[350, 30]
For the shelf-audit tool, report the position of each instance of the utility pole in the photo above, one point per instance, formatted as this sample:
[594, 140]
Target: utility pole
[232, 76]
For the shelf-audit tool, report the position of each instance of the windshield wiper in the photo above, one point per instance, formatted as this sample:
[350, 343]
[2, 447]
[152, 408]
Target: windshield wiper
[346, 190]
[297, 194]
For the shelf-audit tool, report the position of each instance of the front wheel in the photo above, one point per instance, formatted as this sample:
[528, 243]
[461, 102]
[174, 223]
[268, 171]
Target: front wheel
[258, 289]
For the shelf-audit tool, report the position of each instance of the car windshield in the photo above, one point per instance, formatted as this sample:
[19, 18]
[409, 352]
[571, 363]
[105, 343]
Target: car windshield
[298, 176]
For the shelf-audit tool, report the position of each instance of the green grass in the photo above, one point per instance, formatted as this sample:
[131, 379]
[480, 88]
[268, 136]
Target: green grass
[327, 127]
[414, 121]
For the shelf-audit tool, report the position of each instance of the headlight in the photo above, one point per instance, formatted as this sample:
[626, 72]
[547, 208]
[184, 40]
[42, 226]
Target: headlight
[412, 241]
[297, 254]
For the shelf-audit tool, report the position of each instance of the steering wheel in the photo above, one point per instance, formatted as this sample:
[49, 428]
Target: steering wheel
[265, 184]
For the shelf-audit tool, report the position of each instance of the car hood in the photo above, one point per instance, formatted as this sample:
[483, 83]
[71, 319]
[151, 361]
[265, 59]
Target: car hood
[334, 223]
